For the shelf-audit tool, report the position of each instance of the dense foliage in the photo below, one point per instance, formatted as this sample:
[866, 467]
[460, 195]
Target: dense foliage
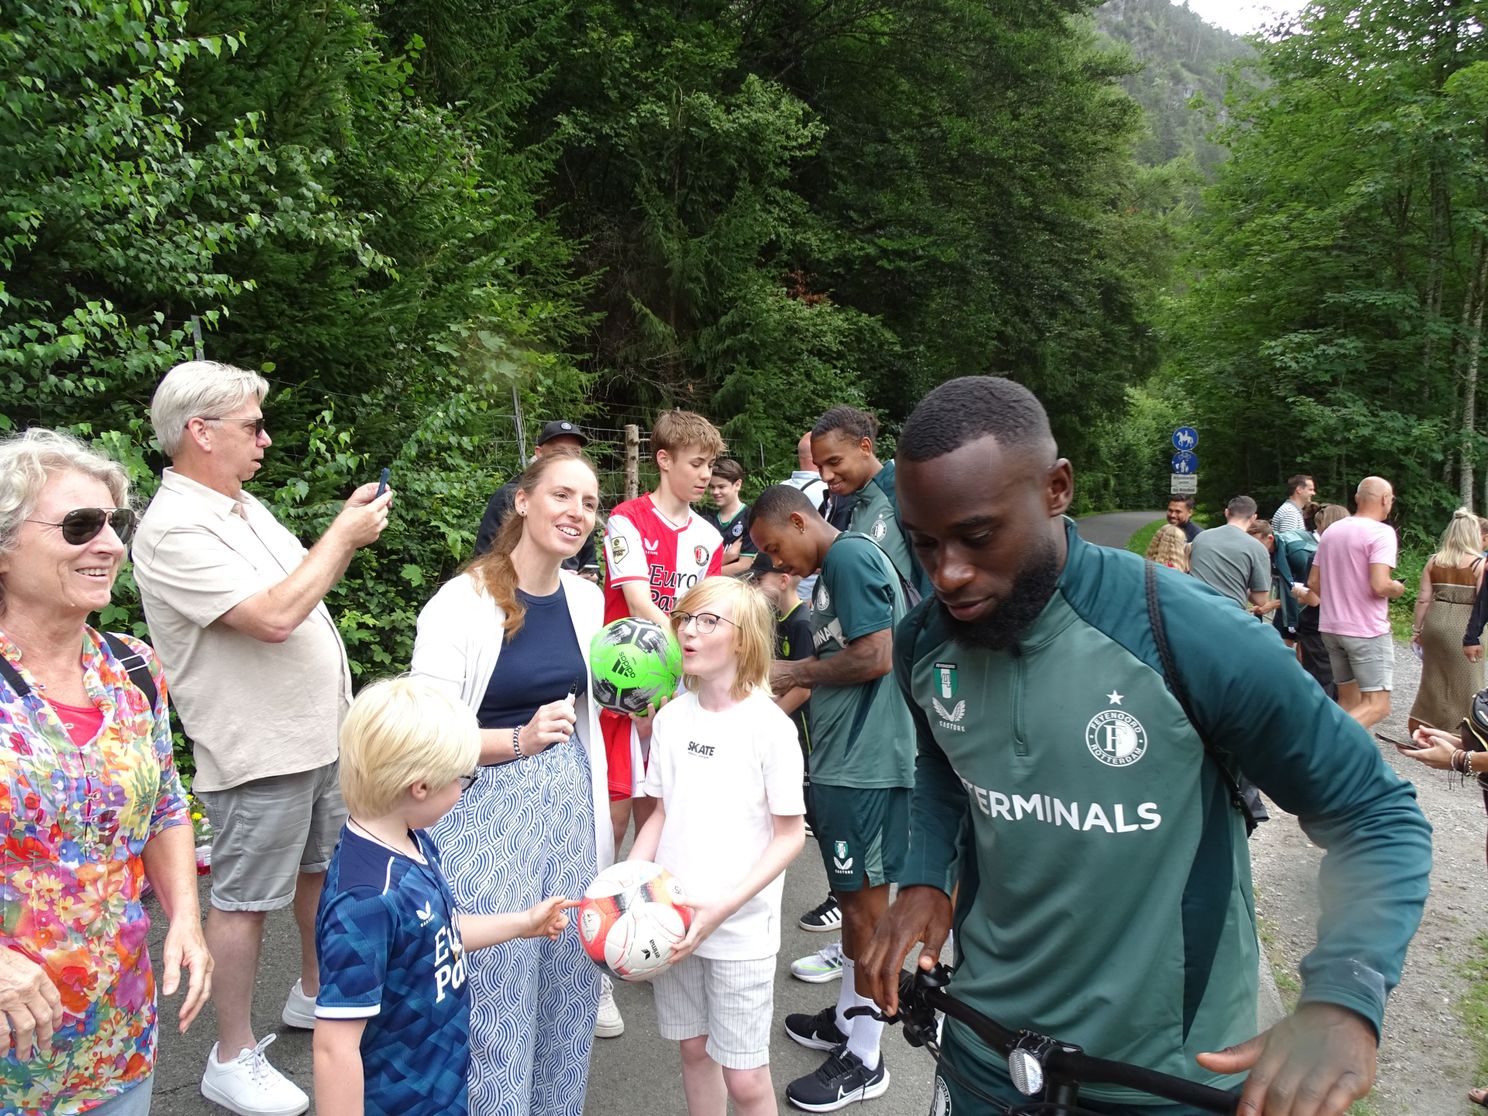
[1339, 265]
[420, 217]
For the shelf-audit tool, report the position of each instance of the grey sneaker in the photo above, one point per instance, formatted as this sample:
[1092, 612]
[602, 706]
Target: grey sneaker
[819, 967]
[608, 1023]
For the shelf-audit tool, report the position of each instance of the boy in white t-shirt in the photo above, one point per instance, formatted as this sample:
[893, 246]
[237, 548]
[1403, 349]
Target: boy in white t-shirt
[725, 771]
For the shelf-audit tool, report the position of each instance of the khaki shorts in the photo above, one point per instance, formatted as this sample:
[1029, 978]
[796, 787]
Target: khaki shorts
[1366, 661]
[731, 1002]
[267, 831]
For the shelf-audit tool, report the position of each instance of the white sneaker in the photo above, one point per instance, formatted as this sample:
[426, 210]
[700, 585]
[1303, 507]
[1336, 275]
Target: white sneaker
[249, 1086]
[299, 1009]
[608, 1024]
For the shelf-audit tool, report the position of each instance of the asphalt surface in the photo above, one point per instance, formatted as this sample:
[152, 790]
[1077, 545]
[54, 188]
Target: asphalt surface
[637, 1073]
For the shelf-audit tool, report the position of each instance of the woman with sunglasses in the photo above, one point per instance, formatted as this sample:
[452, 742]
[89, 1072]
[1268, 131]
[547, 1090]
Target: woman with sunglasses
[510, 637]
[90, 803]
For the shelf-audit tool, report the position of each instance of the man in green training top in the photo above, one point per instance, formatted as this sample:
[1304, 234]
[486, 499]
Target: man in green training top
[861, 765]
[842, 445]
[1105, 878]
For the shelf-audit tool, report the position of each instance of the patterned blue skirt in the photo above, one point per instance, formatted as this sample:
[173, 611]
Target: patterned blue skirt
[523, 832]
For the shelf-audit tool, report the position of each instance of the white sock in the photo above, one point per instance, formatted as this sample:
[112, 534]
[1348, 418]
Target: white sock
[863, 1040]
[846, 998]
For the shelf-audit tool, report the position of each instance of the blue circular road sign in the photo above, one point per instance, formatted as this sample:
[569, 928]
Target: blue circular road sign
[1185, 463]
[1185, 438]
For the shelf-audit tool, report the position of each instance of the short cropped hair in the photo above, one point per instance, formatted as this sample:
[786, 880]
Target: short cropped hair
[854, 423]
[754, 630]
[30, 459]
[729, 469]
[200, 388]
[775, 504]
[1186, 501]
[970, 408]
[679, 430]
[399, 732]
[1294, 483]
[1240, 507]
[1260, 529]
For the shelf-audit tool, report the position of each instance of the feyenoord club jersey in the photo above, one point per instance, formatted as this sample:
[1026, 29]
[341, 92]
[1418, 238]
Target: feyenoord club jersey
[643, 545]
[390, 954]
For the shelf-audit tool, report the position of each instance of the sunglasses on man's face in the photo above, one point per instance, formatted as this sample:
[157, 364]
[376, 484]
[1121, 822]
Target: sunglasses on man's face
[254, 424]
[83, 525]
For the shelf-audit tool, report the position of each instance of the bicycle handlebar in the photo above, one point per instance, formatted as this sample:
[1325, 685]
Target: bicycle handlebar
[1034, 1058]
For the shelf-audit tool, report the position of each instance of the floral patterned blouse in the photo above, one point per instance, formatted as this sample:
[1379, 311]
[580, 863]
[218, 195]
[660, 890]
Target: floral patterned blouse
[74, 822]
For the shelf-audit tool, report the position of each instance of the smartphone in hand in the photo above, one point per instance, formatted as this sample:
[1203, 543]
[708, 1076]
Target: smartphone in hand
[382, 482]
[1403, 745]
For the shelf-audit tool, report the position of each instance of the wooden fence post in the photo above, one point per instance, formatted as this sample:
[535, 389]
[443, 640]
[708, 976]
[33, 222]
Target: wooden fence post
[632, 461]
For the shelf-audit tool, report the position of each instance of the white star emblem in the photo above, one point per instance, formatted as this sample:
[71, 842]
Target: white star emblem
[1114, 698]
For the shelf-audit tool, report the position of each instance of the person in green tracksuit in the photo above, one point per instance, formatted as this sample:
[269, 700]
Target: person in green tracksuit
[1105, 881]
[842, 445]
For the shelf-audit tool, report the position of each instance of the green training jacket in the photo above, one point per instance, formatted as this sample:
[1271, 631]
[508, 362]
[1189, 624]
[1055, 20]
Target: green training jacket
[1107, 899]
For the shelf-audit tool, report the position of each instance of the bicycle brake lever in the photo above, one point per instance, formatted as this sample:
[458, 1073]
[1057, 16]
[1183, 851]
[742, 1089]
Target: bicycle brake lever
[864, 1009]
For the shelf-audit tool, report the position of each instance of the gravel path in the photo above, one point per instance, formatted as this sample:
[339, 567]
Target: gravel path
[1426, 1060]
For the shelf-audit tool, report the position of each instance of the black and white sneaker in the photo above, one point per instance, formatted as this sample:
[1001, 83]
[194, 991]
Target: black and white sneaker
[842, 1080]
[815, 1032]
[825, 916]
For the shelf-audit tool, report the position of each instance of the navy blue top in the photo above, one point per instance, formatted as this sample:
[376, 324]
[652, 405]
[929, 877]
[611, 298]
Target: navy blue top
[535, 667]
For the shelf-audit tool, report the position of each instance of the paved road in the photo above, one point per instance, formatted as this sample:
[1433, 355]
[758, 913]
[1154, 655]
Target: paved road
[634, 1074]
[1115, 528]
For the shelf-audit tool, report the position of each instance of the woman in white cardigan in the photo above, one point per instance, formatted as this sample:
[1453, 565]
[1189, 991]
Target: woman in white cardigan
[510, 635]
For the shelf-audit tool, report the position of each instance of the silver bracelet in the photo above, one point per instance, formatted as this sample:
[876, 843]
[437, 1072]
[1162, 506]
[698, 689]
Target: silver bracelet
[517, 742]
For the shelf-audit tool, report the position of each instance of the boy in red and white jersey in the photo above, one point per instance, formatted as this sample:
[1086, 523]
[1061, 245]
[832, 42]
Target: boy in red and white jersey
[656, 548]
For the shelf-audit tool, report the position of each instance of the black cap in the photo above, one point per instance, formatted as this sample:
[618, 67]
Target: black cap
[561, 428]
[763, 563]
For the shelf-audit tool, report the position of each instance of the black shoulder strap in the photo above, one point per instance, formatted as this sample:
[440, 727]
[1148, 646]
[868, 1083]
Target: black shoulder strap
[1174, 682]
[134, 663]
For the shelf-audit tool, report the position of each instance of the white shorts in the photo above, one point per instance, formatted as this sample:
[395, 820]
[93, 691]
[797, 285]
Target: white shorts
[732, 1002]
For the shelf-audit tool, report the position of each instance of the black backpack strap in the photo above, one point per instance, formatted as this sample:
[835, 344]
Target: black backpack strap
[1174, 682]
[134, 664]
[13, 678]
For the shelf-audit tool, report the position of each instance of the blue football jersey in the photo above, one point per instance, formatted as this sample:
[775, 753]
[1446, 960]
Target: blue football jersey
[390, 953]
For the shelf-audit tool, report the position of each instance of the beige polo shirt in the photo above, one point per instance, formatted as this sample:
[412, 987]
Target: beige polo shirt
[251, 709]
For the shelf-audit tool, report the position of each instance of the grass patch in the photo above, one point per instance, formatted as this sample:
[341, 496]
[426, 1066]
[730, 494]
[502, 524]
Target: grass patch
[1141, 540]
[1472, 1006]
[1287, 983]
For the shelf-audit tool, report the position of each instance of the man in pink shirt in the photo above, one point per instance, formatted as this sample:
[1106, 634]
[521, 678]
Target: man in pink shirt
[1351, 584]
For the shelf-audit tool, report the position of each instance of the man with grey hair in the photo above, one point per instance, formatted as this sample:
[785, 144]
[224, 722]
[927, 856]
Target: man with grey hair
[1351, 587]
[1230, 561]
[260, 679]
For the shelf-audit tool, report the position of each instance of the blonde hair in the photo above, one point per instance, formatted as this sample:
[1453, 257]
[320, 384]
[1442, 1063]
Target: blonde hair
[493, 571]
[1169, 547]
[754, 630]
[1328, 515]
[399, 732]
[1461, 542]
[679, 430]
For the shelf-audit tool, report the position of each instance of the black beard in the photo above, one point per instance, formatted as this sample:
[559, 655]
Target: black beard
[1031, 591]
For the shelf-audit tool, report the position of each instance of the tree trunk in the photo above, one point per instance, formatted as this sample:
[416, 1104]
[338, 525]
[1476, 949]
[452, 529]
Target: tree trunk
[1470, 376]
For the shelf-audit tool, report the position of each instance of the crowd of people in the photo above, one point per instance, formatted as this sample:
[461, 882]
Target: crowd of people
[875, 652]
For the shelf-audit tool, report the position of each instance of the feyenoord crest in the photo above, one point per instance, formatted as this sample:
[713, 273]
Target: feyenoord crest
[700, 554]
[941, 1106]
[878, 530]
[1116, 738]
[945, 680]
[823, 599]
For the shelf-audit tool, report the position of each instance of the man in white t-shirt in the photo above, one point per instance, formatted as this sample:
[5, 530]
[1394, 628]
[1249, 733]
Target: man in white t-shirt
[1351, 586]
